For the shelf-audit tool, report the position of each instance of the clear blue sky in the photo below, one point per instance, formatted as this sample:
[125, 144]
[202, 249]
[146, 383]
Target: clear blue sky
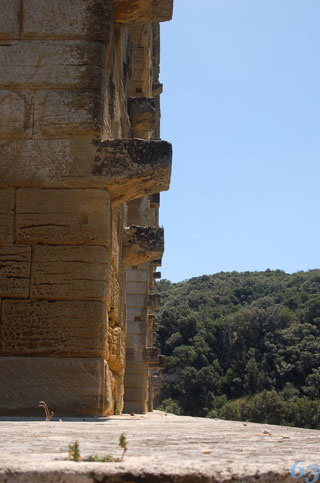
[241, 105]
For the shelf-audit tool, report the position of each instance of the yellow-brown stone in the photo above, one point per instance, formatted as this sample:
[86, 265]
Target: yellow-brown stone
[70, 273]
[53, 329]
[63, 217]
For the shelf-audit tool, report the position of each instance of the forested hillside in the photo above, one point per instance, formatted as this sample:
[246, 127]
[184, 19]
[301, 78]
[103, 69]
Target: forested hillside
[242, 346]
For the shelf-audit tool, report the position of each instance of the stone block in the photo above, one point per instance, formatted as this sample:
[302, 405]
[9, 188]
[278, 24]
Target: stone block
[142, 113]
[136, 367]
[142, 11]
[139, 407]
[15, 264]
[136, 275]
[154, 200]
[136, 394]
[70, 387]
[70, 273]
[52, 64]
[53, 329]
[142, 244]
[7, 209]
[67, 113]
[127, 168]
[136, 327]
[154, 301]
[116, 345]
[135, 313]
[137, 288]
[16, 114]
[63, 217]
[151, 355]
[10, 19]
[136, 300]
[76, 19]
[135, 381]
[137, 342]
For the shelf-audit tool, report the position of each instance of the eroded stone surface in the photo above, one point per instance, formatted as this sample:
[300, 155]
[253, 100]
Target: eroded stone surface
[142, 244]
[15, 263]
[116, 344]
[62, 114]
[76, 19]
[70, 273]
[63, 217]
[142, 11]
[57, 329]
[56, 64]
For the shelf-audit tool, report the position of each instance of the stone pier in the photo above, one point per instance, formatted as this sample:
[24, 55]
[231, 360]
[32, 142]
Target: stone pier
[81, 168]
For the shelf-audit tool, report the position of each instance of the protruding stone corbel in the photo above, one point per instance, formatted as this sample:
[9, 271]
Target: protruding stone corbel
[157, 89]
[157, 363]
[155, 380]
[142, 244]
[156, 263]
[152, 355]
[142, 11]
[154, 200]
[153, 301]
[133, 167]
[142, 113]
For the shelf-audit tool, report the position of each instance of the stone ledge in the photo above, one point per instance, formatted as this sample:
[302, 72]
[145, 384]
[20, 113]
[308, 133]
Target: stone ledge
[172, 449]
[142, 244]
[127, 168]
[142, 11]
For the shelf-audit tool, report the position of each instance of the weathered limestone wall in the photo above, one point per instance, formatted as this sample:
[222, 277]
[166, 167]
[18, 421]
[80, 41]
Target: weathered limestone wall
[70, 162]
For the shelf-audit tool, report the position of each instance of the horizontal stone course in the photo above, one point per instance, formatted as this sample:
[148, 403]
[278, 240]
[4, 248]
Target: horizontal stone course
[76, 19]
[68, 386]
[70, 273]
[53, 329]
[63, 216]
[127, 168]
[62, 114]
[33, 64]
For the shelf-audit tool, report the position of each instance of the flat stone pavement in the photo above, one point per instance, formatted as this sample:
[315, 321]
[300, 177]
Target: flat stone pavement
[161, 448]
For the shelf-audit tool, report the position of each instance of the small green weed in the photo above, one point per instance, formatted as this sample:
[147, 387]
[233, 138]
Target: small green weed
[100, 459]
[74, 451]
[123, 444]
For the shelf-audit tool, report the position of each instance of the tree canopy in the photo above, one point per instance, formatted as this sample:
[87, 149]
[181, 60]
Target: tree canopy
[243, 346]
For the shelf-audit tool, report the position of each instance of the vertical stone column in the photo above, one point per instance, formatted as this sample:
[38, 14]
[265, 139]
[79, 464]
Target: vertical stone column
[143, 360]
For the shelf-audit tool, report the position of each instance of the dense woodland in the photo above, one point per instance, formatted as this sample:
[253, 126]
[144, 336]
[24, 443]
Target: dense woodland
[242, 346]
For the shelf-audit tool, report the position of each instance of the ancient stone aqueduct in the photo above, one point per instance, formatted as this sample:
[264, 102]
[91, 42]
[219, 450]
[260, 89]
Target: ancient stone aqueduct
[81, 169]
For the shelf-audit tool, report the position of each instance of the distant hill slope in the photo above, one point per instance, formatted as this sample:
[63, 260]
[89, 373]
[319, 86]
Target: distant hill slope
[243, 346]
